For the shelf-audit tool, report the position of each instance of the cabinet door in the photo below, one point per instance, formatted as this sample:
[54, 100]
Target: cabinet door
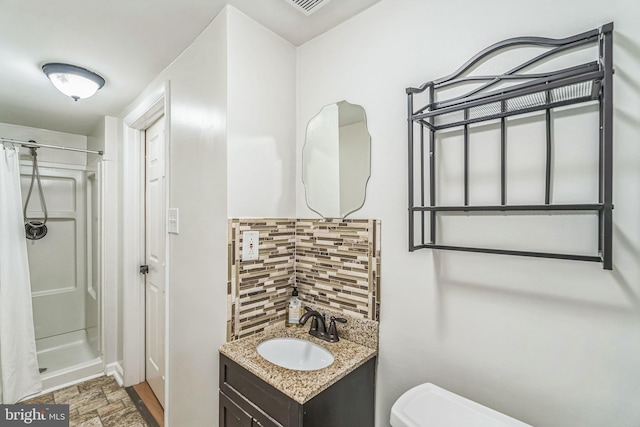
[231, 415]
[267, 406]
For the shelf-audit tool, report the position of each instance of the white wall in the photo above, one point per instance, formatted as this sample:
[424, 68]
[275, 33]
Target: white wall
[232, 110]
[198, 255]
[551, 342]
[260, 120]
[49, 137]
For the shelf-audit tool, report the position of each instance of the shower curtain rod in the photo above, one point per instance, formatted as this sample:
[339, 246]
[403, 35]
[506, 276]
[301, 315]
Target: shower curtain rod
[57, 147]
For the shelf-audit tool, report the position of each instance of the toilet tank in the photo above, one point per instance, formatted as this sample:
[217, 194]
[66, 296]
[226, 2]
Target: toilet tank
[428, 405]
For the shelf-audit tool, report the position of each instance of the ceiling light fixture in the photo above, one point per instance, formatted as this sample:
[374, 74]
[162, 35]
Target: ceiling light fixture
[73, 81]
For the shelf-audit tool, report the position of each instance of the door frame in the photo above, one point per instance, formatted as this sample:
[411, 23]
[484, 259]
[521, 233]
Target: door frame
[143, 115]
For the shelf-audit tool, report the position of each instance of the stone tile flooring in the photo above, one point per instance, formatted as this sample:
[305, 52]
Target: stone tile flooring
[100, 402]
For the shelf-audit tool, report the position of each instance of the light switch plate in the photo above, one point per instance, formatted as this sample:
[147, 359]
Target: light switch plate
[172, 220]
[250, 243]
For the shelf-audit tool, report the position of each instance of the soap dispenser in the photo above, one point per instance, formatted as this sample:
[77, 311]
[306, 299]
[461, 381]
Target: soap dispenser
[295, 306]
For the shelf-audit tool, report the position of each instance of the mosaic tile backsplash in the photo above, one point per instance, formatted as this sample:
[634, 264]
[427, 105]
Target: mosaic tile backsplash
[334, 263]
[258, 291]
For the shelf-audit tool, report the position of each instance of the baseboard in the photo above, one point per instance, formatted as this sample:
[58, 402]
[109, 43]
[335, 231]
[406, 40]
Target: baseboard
[115, 370]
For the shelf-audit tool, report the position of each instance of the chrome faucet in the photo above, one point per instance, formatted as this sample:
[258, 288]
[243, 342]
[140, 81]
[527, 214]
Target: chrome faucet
[318, 327]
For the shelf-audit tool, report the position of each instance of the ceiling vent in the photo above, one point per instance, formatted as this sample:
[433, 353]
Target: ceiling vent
[307, 6]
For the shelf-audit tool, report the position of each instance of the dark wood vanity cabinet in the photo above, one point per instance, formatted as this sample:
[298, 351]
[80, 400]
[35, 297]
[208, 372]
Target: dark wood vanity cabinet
[248, 401]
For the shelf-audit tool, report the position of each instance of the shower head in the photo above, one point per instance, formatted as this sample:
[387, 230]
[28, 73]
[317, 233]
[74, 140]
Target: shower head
[35, 230]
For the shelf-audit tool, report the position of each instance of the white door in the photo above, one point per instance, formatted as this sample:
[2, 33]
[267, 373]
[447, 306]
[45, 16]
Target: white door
[155, 258]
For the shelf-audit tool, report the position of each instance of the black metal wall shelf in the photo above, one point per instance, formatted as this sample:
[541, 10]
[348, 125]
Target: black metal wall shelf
[496, 97]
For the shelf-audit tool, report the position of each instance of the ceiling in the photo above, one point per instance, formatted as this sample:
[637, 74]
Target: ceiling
[127, 42]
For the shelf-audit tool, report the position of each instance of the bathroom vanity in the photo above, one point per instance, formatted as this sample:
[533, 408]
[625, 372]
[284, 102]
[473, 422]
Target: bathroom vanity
[255, 392]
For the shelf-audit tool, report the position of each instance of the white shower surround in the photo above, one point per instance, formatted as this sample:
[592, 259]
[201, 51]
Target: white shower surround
[69, 331]
[65, 289]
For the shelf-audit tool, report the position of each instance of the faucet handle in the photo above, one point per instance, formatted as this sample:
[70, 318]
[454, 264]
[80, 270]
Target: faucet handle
[332, 335]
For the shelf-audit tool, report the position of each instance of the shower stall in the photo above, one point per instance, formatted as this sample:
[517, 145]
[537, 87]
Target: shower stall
[64, 261]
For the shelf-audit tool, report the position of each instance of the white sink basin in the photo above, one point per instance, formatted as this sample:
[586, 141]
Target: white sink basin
[296, 354]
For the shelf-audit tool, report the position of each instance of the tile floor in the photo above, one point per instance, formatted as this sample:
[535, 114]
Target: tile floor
[100, 402]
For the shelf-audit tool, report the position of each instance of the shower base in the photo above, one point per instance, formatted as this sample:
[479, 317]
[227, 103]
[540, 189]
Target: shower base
[68, 358]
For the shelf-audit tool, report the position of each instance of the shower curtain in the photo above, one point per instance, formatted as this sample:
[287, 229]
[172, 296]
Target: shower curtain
[19, 375]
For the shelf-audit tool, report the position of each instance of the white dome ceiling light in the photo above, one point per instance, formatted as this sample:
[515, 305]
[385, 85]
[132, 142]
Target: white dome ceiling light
[75, 82]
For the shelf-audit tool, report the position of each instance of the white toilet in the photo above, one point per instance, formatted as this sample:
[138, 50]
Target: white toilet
[428, 405]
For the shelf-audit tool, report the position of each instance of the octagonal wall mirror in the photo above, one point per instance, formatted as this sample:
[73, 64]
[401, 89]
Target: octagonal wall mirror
[336, 160]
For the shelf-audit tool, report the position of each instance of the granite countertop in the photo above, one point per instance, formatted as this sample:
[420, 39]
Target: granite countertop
[301, 386]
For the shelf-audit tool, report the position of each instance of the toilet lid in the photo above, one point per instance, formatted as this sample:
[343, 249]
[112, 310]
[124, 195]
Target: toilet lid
[428, 405]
